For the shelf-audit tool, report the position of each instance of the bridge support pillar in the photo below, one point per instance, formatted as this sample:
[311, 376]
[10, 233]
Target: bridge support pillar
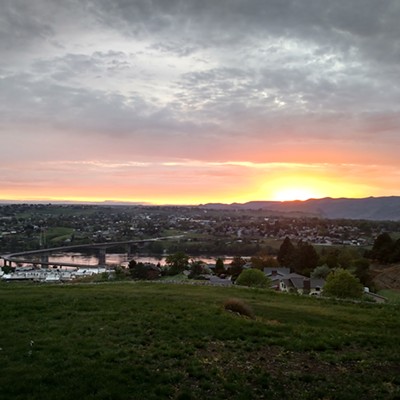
[129, 250]
[44, 259]
[102, 256]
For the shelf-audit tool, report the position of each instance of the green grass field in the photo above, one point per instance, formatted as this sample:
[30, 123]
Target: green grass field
[58, 235]
[392, 295]
[155, 341]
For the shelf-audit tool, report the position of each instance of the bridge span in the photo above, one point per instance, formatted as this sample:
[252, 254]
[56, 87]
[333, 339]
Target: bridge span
[23, 257]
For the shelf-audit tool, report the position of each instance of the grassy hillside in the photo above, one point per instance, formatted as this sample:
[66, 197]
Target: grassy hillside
[155, 341]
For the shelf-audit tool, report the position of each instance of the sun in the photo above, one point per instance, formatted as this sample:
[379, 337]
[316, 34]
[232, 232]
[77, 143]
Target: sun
[295, 193]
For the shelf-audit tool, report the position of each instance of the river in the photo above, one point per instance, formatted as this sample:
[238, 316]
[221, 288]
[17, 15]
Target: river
[113, 259]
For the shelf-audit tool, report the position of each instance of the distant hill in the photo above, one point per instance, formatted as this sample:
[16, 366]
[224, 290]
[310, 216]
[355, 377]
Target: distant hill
[371, 208]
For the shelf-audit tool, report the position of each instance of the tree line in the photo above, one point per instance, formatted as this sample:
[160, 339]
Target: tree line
[385, 249]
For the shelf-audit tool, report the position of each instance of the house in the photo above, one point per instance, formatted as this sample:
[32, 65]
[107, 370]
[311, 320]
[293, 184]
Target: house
[271, 272]
[284, 281]
[296, 283]
[215, 280]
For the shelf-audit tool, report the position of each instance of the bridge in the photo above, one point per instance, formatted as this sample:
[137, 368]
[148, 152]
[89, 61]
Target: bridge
[23, 257]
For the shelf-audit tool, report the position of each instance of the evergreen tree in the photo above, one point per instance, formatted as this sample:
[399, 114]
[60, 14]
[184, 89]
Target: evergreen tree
[395, 254]
[219, 267]
[306, 258]
[382, 248]
[286, 253]
[236, 267]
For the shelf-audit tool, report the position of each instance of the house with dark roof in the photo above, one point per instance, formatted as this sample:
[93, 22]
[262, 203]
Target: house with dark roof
[284, 281]
[296, 283]
[272, 272]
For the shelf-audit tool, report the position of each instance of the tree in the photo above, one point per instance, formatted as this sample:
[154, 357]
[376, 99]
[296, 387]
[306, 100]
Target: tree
[306, 258]
[343, 284]
[197, 268]
[7, 269]
[382, 248]
[141, 271]
[261, 262]
[395, 254]
[321, 272]
[177, 263]
[362, 272]
[332, 258]
[345, 258]
[253, 278]
[236, 267]
[286, 253]
[120, 274]
[137, 270]
[219, 267]
[132, 264]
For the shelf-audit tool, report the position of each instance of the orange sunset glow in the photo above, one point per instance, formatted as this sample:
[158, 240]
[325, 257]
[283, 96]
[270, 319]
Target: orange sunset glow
[257, 181]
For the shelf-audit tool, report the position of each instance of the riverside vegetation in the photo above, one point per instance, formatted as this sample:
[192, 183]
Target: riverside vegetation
[128, 340]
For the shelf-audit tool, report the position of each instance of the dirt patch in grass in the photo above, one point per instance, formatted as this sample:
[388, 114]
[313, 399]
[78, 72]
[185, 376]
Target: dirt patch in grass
[386, 276]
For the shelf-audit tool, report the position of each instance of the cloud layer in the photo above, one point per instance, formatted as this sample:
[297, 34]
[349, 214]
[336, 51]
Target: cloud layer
[180, 95]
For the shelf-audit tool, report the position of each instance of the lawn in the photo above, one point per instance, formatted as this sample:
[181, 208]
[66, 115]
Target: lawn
[155, 341]
[392, 295]
[57, 235]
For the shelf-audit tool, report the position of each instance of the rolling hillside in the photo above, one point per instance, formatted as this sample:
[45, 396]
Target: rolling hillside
[164, 341]
[370, 208]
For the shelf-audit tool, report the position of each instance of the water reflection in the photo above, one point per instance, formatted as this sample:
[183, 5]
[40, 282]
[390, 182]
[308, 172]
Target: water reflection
[112, 259]
[119, 258]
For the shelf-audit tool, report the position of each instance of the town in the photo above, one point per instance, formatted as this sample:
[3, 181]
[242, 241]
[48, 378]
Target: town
[295, 253]
[26, 227]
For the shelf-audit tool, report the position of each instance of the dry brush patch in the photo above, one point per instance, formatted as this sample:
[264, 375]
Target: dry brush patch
[240, 307]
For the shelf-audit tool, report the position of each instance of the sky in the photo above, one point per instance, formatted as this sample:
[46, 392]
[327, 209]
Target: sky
[196, 101]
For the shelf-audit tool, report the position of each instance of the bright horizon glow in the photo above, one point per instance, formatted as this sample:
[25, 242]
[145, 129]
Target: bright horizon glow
[295, 193]
[190, 183]
[282, 195]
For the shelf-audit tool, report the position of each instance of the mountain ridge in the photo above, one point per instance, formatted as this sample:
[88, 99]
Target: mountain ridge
[369, 208]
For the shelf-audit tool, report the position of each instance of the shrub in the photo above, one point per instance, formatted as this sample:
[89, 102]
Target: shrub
[341, 283]
[177, 263]
[197, 268]
[239, 306]
[253, 278]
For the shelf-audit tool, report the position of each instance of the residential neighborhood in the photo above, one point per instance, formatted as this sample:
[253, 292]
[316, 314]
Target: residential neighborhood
[295, 253]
